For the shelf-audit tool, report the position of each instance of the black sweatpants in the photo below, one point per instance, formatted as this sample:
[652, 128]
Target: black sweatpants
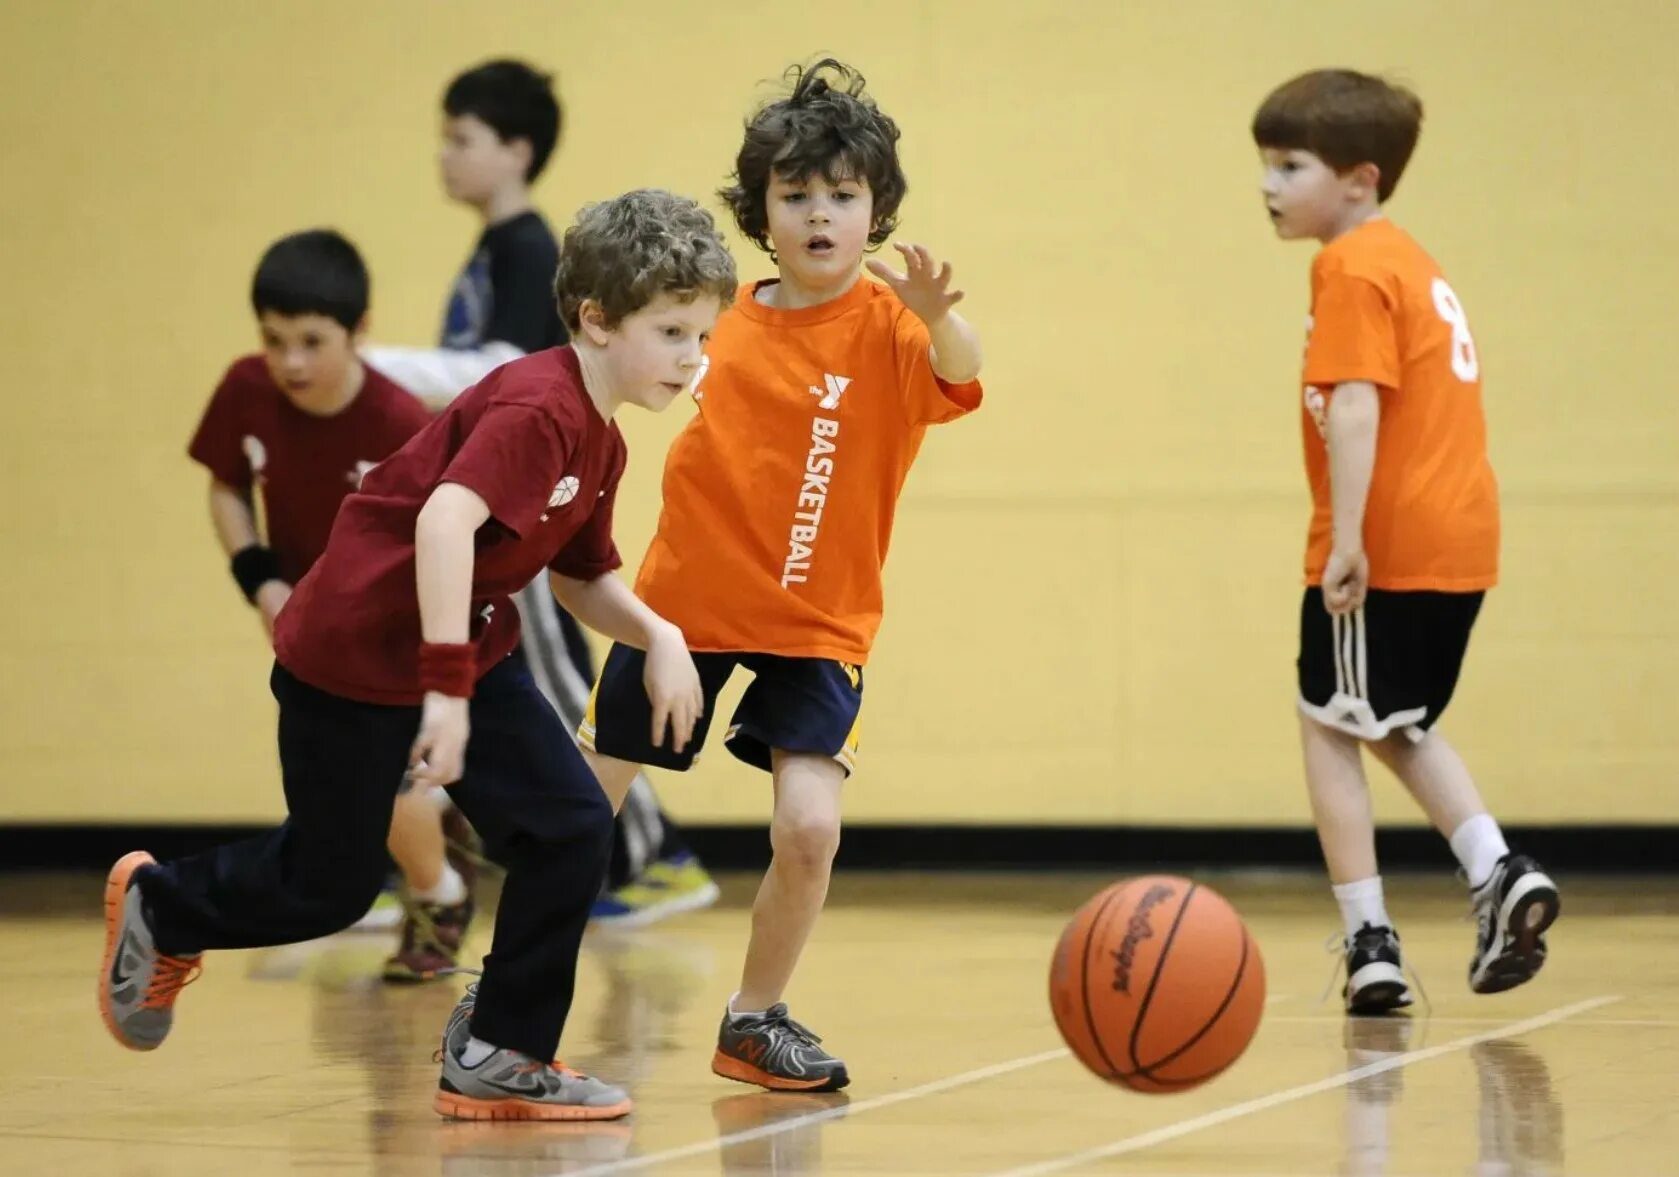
[526, 789]
[559, 659]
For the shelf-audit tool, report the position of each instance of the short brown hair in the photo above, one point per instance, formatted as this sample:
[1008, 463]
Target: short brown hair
[1345, 118]
[625, 252]
[825, 124]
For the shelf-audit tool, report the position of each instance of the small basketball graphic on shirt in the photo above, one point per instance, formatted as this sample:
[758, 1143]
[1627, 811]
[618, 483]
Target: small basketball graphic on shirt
[564, 491]
[256, 454]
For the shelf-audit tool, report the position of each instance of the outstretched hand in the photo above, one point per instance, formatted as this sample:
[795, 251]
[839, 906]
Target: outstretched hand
[924, 286]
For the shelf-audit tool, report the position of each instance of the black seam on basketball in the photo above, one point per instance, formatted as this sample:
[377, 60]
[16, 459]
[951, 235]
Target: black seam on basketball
[1189, 1080]
[1154, 979]
[1084, 978]
[1174, 1084]
[1229, 996]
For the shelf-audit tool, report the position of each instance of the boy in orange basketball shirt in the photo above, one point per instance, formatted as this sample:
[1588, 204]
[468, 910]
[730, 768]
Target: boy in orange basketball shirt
[1403, 542]
[778, 505]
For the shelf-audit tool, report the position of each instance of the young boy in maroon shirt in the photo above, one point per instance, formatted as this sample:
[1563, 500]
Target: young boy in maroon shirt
[301, 421]
[401, 641]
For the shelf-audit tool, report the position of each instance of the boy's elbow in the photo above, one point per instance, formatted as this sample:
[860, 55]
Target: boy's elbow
[1354, 406]
[957, 369]
[451, 509]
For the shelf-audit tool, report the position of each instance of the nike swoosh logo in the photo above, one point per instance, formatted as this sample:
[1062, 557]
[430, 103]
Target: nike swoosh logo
[526, 1084]
[118, 979]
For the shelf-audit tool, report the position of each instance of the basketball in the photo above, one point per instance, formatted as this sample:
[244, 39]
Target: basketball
[1156, 984]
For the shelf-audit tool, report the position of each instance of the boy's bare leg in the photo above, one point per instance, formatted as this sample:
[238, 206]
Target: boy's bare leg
[615, 776]
[1340, 798]
[758, 1042]
[416, 839]
[1515, 901]
[804, 834]
[1436, 776]
[1341, 809]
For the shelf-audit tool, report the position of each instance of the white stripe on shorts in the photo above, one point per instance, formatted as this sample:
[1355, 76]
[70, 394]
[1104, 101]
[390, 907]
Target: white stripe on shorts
[1352, 664]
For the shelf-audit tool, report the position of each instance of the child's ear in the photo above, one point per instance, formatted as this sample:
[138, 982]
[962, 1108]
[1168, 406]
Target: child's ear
[1368, 177]
[358, 333]
[592, 320]
[524, 152]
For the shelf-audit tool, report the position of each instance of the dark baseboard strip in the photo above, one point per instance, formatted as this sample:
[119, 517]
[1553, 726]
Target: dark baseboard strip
[1624, 849]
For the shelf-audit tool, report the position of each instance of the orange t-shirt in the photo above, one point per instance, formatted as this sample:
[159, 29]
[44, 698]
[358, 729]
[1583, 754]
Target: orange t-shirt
[779, 494]
[1382, 312]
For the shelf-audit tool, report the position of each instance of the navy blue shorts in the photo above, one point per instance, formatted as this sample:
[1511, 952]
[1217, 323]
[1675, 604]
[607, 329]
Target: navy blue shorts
[809, 705]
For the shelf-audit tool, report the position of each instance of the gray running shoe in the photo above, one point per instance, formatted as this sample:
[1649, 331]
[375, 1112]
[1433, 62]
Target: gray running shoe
[507, 1085]
[773, 1051]
[137, 984]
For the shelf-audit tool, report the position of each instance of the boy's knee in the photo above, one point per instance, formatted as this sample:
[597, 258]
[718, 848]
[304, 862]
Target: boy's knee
[806, 842]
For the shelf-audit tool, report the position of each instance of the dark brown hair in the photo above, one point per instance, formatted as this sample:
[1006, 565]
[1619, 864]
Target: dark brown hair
[825, 124]
[1345, 118]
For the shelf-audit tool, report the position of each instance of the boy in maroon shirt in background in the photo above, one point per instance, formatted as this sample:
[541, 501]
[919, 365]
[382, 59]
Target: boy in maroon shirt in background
[302, 421]
[402, 639]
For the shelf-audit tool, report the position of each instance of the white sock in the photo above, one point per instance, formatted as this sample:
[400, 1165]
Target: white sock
[741, 1015]
[1479, 844]
[450, 889]
[1361, 903]
[475, 1051]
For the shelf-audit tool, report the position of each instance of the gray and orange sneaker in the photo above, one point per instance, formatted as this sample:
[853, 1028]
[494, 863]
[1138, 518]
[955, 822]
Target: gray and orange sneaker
[507, 1085]
[137, 983]
[432, 935]
[772, 1050]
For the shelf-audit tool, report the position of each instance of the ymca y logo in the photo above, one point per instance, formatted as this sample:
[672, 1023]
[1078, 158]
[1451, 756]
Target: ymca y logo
[836, 386]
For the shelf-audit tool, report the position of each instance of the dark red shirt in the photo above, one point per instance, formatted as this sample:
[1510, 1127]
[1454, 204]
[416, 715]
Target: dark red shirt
[252, 435]
[529, 441]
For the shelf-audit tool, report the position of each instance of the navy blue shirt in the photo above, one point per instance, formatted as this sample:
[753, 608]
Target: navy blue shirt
[506, 291]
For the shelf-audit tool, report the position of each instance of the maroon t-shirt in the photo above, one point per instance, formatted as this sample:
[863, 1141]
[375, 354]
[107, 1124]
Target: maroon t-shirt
[251, 434]
[529, 441]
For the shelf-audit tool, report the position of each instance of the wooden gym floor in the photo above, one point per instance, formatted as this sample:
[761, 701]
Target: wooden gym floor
[293, 1061]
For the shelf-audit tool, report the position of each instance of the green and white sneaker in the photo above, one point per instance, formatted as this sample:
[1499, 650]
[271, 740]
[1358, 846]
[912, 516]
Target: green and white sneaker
[666, 888]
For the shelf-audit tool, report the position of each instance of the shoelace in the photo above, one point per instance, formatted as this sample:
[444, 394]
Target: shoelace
[420, 928]
[1336, 945]
[473, 854]
[468, 1000]
[169, 977]
[797, 1029]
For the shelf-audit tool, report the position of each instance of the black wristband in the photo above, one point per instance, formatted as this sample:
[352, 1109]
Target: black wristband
[254, 567]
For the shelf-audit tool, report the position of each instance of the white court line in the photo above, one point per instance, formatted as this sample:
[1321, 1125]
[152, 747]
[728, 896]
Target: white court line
[805, 1121]
[1290, 1094]
[1420, 1020]
[699, 1148]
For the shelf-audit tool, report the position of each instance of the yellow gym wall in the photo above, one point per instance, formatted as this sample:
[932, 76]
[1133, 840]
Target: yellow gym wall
[1093, 591]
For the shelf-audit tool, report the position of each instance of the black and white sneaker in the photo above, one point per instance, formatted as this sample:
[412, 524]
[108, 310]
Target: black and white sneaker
[1513, 909]
[1375, 972]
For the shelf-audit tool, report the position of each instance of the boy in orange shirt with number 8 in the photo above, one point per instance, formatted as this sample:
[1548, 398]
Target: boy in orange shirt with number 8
[1403, 541]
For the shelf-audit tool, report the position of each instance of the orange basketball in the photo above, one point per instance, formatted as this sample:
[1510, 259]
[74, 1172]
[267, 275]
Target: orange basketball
[1156, 984]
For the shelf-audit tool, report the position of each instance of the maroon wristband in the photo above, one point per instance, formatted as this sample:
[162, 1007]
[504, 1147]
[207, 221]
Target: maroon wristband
[449, 669]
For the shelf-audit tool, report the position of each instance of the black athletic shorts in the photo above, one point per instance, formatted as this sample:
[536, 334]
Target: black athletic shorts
[1389, 666]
